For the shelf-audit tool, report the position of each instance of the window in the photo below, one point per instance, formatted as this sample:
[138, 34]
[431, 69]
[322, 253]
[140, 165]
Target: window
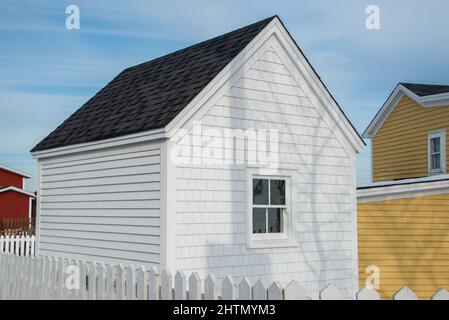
[268, 205]
[436, 151]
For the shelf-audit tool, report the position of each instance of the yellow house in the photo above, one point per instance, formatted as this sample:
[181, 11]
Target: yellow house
[403, 215]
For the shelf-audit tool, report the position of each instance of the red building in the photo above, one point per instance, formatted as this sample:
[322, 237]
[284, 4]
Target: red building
[15, 202]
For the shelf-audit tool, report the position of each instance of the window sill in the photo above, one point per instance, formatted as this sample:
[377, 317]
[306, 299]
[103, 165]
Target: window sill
[266, 244]
[435, 173]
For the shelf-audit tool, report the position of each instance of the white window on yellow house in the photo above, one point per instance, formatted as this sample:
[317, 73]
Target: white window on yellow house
[437, 151]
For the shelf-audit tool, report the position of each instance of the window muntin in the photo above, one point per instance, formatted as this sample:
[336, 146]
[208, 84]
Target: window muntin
[269, 204]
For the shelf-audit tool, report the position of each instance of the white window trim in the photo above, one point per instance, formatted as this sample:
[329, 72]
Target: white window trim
[270, 240]
[442, 135]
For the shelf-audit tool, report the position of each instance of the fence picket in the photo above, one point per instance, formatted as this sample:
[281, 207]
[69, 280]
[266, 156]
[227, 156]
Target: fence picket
[27, 246]
[194, 287]
[100, 283]
[294, 291]
[130, 283]
[32, 245]
[228, 289]
[405, 293]
[245, 289]
[180, 286]
[22, 246]
[209, 288]
[330, 292]
[153, 284]
[166, 285]
[120, 283]
[7, 243]
[259, 291]
[275, 291]
[45, 277]
[367, 293]
[59, 294]
[52, 279]
[110, 280]
[141, 283]
[441, 294]
[17, 245]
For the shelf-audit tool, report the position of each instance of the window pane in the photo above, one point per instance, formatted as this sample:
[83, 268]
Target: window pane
[277, 192]
[435, 161]
[260, 191]
[274, 220]
[259, 220]
[435, 145]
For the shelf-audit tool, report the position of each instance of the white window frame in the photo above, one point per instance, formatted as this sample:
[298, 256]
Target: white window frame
[269, 240]
[442, 135]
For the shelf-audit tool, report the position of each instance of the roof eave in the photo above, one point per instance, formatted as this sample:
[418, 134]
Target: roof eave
[14, 189]
[436, 100]
[18, 172]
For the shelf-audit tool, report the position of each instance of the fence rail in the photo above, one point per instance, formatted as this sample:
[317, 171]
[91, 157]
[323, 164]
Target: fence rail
[54, 279]
[17, 245]
[17, 226]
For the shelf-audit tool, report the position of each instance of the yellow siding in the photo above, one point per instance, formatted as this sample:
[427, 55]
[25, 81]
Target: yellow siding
[400, 146]
[408, 239]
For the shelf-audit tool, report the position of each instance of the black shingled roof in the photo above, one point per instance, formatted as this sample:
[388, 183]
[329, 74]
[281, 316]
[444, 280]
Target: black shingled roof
[423, 90]
[149, 95]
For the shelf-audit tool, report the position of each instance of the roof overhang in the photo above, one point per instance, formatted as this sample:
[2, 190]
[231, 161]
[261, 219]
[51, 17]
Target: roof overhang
[20, 173]
[435, 100]
[152, 135]
[14, 189]
[407, 188]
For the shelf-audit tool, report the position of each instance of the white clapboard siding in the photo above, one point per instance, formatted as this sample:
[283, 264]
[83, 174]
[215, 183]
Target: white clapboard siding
[103, 205]
[211, 200]
[112, 180]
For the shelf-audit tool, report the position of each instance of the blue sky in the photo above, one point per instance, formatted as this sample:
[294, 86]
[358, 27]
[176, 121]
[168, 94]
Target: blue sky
[47, 71]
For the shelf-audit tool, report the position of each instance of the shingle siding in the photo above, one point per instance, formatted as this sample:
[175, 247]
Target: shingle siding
[102, 205]
[211, 200]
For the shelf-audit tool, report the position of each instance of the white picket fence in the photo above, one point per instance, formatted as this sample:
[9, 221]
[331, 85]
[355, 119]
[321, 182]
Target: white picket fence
[51, 278]
[17, 245]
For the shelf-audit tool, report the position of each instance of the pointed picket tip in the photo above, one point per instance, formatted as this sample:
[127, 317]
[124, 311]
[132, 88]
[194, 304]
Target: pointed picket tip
[165, 274]
[180, 275]
[259, 291]
[294, 291]
[228, 289]
[275, 291]
[180, 286]
[245, 289]
[441, 294]
[194, 276]
[209, 287]
[405, 293]
[367, 293]
[194, 286]
[330, 292]
[166, 285]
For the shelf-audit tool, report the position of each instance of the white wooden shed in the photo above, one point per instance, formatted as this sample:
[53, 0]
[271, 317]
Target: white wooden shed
[133, 176]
